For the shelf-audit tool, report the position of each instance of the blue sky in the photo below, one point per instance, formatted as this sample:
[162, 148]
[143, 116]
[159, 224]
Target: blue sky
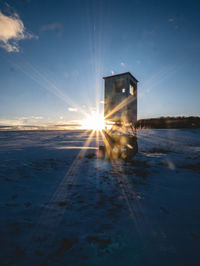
[53, 60]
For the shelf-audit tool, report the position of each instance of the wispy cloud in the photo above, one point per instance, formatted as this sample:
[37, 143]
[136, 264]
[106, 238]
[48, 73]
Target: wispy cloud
[122, 64]
[71, 109]
[75, 73]
[170, 19]
[52, 27]
[12, 30]
[161, 76]
[66, 75]
[22, 121]
[31, 124]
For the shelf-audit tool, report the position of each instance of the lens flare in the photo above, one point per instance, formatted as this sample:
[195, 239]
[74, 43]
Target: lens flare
[94, 121]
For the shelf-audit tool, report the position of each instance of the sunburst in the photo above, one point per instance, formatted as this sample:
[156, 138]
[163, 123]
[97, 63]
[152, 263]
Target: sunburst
[94, 121]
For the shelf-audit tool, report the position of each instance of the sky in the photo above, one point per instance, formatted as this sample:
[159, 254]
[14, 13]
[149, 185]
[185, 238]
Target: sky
[53, 55]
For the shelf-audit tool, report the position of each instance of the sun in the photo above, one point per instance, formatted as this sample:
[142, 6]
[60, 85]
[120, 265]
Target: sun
[94, 121]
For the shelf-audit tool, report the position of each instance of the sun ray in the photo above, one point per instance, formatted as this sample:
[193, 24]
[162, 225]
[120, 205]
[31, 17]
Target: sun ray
[123, 103]
[33, 73]
[61, 192]
[94, 121]
[122, 179]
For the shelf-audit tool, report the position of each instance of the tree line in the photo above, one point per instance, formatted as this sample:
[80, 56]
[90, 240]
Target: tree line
[169, 122]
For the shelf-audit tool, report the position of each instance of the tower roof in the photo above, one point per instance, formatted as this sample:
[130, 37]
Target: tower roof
[122, 74]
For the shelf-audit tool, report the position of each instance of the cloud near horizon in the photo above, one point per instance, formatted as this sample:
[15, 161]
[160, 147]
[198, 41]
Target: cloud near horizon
[24, 120]
[12, 30]
[37, 123]
[71, 109]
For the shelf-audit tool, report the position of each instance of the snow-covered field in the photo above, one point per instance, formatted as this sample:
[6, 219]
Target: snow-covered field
[61, 205]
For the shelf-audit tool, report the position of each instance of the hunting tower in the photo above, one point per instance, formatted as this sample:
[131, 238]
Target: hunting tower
[120, 100]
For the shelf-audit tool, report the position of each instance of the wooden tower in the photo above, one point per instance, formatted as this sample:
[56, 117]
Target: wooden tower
[120, 98]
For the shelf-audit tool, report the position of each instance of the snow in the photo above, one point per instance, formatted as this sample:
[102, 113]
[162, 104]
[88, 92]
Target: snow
[61, 205]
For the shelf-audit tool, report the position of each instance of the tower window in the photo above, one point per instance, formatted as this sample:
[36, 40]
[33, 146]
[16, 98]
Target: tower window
[132, 88]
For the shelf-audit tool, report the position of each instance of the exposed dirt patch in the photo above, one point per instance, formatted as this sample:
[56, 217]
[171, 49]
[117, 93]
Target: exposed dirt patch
[12, 204]
[194, 167]
[140, 164]
[38, 253]
[62, 203]
[117, 205]
[90, 155]
[7, 179]
[41, 238]
[14, 196]
[163, 209]
[66, 244]
[194, 236]
[27, 204]
[131, 171]
[159, 150]
[141, 173]
[101, 242]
